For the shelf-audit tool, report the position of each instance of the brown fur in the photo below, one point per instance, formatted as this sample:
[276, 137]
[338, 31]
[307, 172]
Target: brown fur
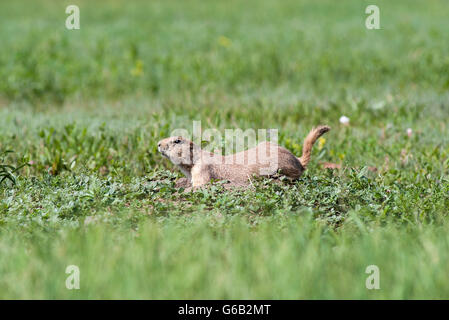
[266, 159]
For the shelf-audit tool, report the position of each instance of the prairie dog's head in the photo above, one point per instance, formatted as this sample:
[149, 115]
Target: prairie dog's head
[177, 149]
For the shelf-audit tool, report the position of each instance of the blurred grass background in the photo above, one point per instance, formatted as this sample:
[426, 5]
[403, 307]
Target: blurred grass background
[187, 48]
[87, 107]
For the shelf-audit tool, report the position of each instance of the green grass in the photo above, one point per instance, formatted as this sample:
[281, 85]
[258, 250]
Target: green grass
[211, 257]
[87, 108]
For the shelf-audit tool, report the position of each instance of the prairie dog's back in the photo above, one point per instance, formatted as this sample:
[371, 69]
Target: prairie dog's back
[261, 154]
[265, 159]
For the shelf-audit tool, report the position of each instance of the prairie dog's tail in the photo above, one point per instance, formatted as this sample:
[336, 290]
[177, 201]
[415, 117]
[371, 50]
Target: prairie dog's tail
[313, 135]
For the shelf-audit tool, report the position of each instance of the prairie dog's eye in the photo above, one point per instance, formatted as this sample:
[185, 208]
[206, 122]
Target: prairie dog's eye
[177, 141]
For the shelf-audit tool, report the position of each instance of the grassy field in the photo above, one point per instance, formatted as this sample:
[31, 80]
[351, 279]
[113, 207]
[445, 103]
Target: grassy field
[86, 108]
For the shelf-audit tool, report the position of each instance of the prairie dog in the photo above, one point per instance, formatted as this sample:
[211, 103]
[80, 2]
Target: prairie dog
[266, 159]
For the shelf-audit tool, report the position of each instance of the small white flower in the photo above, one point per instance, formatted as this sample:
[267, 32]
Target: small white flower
[409, 132]
[344, 120]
